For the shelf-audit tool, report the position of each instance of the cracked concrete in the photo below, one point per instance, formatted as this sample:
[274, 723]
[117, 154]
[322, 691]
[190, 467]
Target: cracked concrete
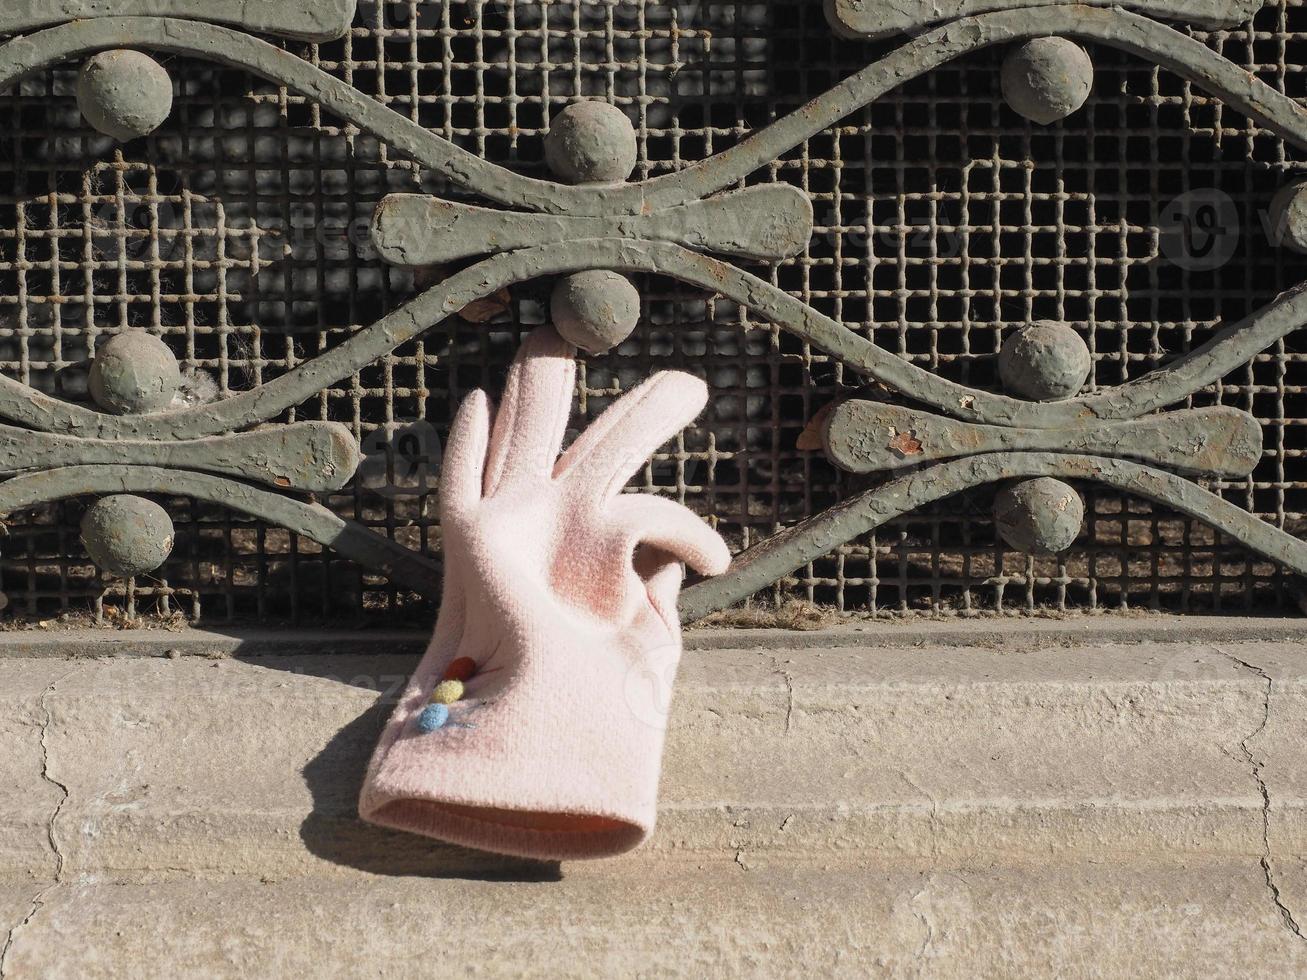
[52, 834]
[42, 722]
[196, 763]
[789, 693]
[38, 901]
[711, 920]
[137, 794]
[1258, 765]
[26, 801]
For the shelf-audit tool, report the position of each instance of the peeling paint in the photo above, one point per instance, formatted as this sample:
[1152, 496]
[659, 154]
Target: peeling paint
[766, 223]
[654, 226]
[1214, 442]
[781, 554]
[348, 538]
[304, 20]
[870, 19]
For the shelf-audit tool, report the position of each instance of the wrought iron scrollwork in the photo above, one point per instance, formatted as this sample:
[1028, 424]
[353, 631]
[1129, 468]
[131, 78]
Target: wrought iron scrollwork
[674, 225]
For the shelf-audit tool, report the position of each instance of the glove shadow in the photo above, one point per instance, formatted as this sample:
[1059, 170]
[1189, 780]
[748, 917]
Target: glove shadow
[334, 832]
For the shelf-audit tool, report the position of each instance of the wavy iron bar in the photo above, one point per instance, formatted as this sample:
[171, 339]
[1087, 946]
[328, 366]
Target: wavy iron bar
[589, 231]
[1232, 346]
[1128, 32]
[315, 522]
[301, 20]
[882, 18]
[766, 224]
[778, 556]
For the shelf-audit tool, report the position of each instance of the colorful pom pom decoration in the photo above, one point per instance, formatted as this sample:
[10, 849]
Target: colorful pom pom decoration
[460, 669]
[447, 692]
[433, 718]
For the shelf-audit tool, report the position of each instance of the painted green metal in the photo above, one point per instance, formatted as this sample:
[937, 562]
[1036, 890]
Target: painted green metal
[879, 18]
[305, 20]
[315, 457]
[124, 94]
[1231, 346]
[591, 143]
[1044, 361]
[1119, 28]
[871, 437]
[127, 535]
[657, 226]
[1047, 78]
[1042, 516]
[595, 310]
[134, 373]
[767, 223]
[778, 556]
[1288, 216]
[347, 538]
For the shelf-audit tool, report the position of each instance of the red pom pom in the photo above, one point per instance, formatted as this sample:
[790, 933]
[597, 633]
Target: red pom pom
[461, 669]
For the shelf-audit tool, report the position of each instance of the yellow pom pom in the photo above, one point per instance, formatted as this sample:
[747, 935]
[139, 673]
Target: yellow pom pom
[447, 692]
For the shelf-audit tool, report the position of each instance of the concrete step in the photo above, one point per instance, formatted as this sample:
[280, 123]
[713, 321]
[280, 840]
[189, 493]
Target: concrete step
[719, 921]
[947, 755]
[1039, 802]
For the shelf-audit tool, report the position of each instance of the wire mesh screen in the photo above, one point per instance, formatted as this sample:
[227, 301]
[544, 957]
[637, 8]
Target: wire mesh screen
[238, 233]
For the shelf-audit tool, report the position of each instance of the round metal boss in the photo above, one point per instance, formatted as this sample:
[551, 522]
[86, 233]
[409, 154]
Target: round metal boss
[134, 373]
[1044, 361]
[1047, 78]
[124, 94]
[595, 310]
[127, 535]
[1042, 516]
[1289, 216]
[589, 143]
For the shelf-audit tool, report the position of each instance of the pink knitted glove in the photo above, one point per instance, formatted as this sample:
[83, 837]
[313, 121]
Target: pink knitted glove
[533, 725]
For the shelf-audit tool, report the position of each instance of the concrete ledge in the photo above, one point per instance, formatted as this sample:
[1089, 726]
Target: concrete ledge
[939, 755]
[722, 922]
[999, 632]
[1034, 808]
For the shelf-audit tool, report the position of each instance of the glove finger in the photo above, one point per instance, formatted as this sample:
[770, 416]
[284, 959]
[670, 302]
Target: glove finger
[463, 466]
[662, 576]
[533, 413]
[655, 522]
[607, 454]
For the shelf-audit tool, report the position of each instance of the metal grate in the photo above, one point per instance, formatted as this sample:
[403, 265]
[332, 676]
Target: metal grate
[238, 233]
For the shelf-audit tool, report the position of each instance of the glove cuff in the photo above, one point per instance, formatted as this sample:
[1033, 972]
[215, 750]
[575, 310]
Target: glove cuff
[547, 767]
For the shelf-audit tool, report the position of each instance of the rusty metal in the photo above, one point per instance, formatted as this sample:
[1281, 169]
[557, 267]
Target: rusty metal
[124, 94]
[870, 437]
[1042, 516]
[449, 115]
[127, 535]
[1047, 78]
[306, 20]
[879, 18]
[595, 310]
[766, 224]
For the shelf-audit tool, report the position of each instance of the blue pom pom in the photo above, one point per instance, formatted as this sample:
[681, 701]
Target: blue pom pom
[433, 718]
